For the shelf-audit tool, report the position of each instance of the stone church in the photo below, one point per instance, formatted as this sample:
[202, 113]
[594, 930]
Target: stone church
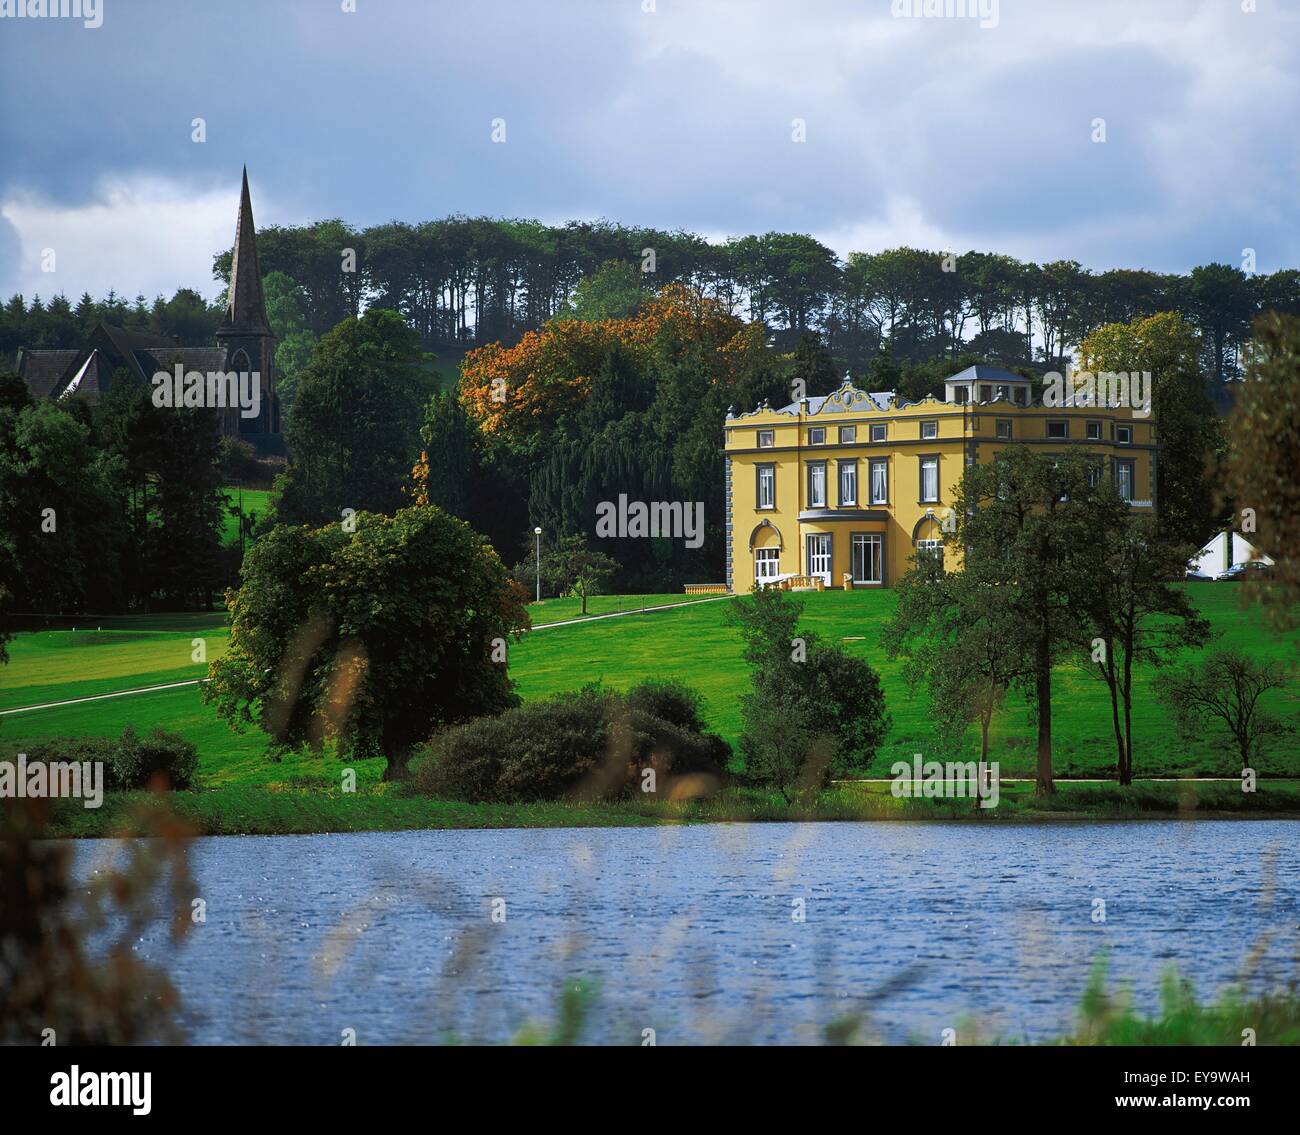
[244, 342]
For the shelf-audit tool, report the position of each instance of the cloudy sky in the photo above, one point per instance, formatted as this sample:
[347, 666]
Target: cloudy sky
[929, 131]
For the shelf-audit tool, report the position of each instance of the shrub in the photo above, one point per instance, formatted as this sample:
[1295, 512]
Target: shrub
[161, 759]
[592, 743]
[671, 700]
[130, 762]
[814, 709]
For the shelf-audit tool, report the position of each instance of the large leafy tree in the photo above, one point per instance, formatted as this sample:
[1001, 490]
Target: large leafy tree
[1187, 429]
[634, 406]
[60, 537]
[614, 291]
[1264, 456]
[964, 642]
[286, 309]
[165, 471]
[1026, 522]
[1135, 616]
[354, 433]
[372, 638]
[1219, 301]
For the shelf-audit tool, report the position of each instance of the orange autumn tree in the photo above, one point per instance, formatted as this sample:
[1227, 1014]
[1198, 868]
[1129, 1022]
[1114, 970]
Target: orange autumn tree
[516, 394]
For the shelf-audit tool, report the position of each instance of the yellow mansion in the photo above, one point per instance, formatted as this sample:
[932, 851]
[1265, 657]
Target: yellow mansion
[843, 490]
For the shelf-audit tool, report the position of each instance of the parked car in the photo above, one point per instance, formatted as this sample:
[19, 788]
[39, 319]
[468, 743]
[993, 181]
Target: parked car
[1237, 572]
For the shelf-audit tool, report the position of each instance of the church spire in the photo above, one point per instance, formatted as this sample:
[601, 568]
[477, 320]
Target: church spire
[245, 308]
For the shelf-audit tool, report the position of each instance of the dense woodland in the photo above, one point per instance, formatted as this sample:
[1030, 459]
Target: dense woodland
[463, 282]
[518, 374]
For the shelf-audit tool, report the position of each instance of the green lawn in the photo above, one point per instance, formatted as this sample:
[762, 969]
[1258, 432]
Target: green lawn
[103, 655]
[558, 610]
[693, 643]
[254, 501]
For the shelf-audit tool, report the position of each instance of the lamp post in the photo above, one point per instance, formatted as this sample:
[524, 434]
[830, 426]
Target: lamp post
[538, 533]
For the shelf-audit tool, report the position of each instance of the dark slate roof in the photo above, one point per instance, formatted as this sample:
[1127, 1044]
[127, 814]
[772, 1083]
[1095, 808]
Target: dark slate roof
[89, 378]
[987, 374]
[42, 370]
[191, 358]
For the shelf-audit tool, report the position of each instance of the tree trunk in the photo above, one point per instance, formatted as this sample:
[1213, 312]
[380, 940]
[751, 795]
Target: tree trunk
[1126, 690]
[1120, 747]
[395, 769]
[1128, 729]
[984, 760]
[1043, 696]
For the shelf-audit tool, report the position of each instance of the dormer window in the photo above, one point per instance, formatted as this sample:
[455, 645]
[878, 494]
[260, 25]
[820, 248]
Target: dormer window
[986, 393]
[961, 395]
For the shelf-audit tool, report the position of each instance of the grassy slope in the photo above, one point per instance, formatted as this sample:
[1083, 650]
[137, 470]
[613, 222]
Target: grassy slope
[56, 665]
[558, 610]
[301, 792]
[697, 646]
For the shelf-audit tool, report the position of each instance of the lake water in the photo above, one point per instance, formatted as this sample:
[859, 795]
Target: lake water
[694, 931]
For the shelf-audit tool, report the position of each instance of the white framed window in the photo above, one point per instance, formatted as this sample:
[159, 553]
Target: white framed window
[848, 483]
[848, 435]
[765, 494]
[929, 430]
[1058, 429]
[817, 435]
[1124, 479]
[932, 548]
[767, 564]
[1124, 435]
[1003, 426]
[817, 484]
[867, 557]
[1092, 431]
[929, 479]
[880, 481]
[819, 555]
[878, 431]
[766, 439]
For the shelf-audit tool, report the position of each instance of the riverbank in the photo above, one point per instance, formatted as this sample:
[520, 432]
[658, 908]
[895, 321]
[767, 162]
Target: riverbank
[287, 810]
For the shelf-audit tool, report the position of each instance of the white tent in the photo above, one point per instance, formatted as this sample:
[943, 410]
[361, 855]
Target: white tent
[1225, 551]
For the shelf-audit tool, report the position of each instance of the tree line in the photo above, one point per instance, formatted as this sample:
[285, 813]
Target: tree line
[463, 282]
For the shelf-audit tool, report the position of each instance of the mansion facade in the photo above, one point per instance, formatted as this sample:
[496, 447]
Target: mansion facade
[845, 489]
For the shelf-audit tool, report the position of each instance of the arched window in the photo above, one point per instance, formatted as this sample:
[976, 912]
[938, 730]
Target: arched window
[927, 537]
[766, 544]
